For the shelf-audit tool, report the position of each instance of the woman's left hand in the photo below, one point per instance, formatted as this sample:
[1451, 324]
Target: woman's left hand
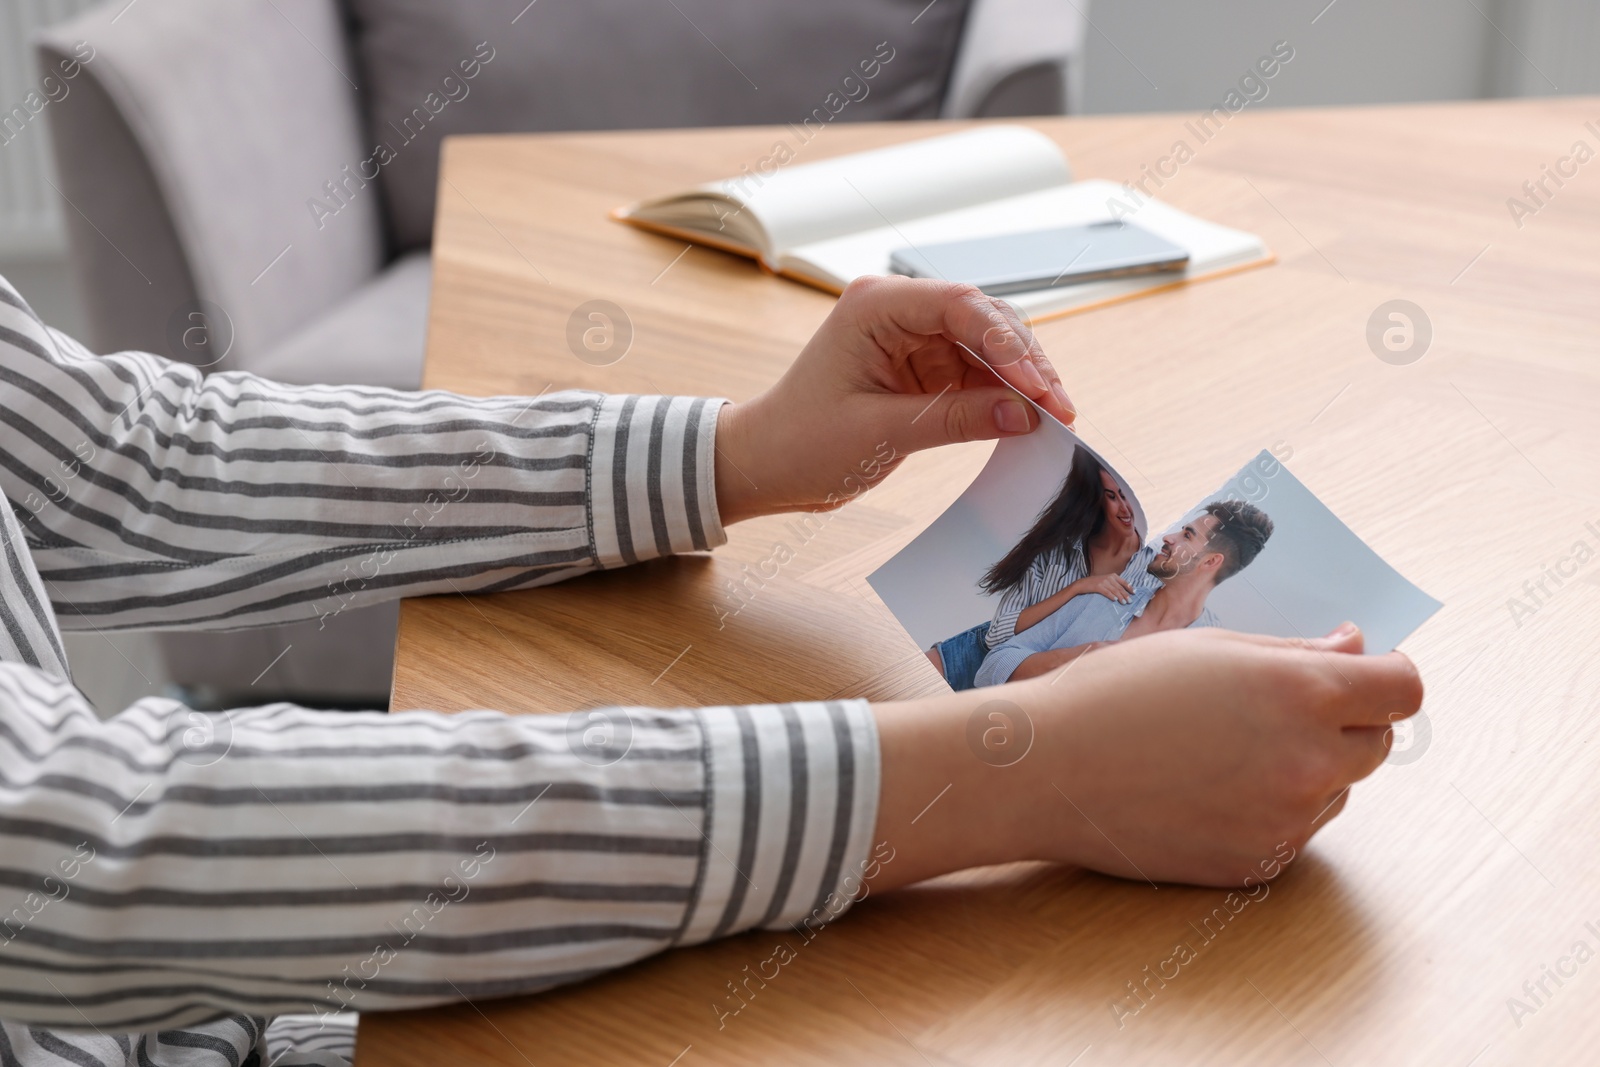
[894, 369]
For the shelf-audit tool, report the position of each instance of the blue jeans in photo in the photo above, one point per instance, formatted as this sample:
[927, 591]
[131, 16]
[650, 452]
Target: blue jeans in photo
[962, 655]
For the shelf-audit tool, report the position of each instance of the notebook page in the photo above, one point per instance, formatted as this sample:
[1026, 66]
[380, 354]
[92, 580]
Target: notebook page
[811, 202]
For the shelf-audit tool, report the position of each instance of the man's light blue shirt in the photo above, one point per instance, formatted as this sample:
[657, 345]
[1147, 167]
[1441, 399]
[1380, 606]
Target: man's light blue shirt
[1082, 620]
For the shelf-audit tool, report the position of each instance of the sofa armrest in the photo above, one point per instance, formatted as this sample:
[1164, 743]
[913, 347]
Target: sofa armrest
[112, 203]
[191, 152]
[1018, 57]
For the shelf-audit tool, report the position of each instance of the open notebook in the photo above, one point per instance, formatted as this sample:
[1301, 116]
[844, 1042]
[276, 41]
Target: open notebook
[829, 222]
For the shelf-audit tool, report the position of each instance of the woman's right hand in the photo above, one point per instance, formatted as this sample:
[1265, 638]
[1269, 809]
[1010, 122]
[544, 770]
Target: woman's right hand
[1110, 586]
[1190, 756]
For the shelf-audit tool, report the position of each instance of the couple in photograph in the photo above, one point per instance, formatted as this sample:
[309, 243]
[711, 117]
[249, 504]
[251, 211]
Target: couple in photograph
[1080, 578]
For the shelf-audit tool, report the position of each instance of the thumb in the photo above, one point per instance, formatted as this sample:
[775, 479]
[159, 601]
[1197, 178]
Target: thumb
[1346, 638]
[980, 413]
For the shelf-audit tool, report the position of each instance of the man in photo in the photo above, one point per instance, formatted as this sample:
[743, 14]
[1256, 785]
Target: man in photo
[1218, 543]
[1084, 541]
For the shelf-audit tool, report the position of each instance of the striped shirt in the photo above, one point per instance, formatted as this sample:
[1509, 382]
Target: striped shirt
[170, 881]
[1049, 573]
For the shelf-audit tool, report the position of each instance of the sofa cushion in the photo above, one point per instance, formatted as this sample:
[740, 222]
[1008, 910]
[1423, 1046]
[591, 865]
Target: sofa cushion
[376, 337]
[244, 128]
[431, 68]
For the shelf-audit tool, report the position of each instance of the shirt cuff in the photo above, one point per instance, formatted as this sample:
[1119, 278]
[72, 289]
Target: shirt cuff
[792, 805]
[652, 478]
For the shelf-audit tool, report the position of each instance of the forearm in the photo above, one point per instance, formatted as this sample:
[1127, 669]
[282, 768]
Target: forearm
[1041, 663]
[159, 497]
[233, 501]
[1036, 613]
[1003, 662]
[941, 805]
[285, 860]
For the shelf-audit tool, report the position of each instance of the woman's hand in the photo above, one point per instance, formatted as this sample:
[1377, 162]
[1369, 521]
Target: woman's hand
[884, 376]
[1110, 586]
[1188, 756]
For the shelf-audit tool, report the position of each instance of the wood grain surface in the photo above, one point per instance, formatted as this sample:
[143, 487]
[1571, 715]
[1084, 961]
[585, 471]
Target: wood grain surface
[1405, 929]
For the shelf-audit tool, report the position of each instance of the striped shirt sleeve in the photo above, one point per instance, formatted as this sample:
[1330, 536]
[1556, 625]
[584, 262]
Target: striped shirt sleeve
[165, 869]
[154, 496]
[171, 880]
[1047, 575]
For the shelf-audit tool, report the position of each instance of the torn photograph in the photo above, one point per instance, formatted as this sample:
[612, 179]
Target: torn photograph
[1046, 557]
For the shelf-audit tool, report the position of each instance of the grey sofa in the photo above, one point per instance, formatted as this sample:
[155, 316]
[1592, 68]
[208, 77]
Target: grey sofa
[229, 212]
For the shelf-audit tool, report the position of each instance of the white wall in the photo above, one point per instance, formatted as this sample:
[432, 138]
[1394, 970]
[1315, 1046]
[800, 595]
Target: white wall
[1560, 46]
[1150, 55]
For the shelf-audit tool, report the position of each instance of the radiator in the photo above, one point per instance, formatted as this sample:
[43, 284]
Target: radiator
[30, 210]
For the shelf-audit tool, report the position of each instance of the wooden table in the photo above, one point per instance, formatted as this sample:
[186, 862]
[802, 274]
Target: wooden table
[1450, 880]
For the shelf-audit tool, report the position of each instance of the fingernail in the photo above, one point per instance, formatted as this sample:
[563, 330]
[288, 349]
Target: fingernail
[1061, 397]
[1011, 417]
[1031, 376]
[1346, 629]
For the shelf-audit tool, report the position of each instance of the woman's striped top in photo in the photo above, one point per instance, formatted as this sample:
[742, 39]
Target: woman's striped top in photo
[1048, 574]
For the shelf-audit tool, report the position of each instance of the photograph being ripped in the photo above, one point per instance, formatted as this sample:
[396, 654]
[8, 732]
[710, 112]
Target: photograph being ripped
[1046, 557]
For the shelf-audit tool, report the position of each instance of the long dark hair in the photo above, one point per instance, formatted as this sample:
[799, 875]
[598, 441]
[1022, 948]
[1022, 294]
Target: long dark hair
[1074, 516]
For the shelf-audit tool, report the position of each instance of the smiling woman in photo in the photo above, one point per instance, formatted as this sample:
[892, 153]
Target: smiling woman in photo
[1082, 542]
